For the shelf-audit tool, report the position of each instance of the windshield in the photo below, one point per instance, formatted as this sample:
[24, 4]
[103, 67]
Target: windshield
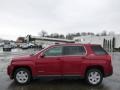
[36, 52]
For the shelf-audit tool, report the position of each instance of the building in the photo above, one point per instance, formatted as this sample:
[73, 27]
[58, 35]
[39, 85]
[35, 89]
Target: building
[110, 43]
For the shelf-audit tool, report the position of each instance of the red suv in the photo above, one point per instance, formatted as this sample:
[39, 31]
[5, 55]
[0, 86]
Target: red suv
[88, 61]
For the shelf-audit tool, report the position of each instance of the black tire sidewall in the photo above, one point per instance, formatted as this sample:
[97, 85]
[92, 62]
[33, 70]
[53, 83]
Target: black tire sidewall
[94, 70]
[22, 69]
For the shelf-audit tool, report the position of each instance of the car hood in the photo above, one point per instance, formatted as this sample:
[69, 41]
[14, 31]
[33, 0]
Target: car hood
[22, 58]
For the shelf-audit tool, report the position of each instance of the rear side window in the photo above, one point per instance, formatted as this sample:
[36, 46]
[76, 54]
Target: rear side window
[74, 50]
[98, 50]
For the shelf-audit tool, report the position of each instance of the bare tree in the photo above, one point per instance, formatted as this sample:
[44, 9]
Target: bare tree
[104, 33]
[111, 33]
[61, 36]
[98, 34]
[69, 36]
[43, 33]
[54, 35]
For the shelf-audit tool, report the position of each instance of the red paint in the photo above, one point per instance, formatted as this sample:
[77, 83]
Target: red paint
[62, 65]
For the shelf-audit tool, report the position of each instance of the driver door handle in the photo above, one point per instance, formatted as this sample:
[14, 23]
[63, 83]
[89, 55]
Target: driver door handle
[58, 58]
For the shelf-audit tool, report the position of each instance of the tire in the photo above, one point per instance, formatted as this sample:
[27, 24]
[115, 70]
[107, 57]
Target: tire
[22, 76]
[94, 77]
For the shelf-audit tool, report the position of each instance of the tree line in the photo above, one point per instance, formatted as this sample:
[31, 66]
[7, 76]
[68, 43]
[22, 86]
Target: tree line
[70, 36]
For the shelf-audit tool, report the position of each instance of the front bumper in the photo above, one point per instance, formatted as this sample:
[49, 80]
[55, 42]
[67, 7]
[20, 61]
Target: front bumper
[9, 71]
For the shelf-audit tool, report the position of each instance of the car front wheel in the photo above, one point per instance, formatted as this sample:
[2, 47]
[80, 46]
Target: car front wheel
[94, 77]
[22, 76]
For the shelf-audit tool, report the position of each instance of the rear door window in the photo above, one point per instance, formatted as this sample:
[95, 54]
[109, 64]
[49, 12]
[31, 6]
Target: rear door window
[74, 50]
[98, 50]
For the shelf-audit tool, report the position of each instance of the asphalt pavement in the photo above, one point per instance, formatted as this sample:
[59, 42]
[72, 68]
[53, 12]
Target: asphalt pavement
[109, 83]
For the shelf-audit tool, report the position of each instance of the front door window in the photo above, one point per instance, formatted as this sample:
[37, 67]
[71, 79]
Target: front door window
[55, 51]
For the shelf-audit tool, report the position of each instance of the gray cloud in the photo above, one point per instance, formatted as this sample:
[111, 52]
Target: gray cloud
[21, 17]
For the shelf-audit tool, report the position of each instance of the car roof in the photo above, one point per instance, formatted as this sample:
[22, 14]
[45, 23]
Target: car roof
[75, 44]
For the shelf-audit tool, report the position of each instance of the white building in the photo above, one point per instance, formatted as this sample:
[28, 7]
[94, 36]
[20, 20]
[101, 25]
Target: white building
[108, 42]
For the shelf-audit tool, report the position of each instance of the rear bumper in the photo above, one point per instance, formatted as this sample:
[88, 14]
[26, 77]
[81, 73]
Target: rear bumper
[109, 74]
[109, 71]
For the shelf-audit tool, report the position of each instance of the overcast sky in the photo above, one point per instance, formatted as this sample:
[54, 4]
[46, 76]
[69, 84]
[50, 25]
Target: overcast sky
[22, 17]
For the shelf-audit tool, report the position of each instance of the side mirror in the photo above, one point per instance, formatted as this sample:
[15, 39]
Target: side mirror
[42, 55]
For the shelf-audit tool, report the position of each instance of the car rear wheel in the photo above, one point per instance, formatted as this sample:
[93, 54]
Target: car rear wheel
[22, 76]
[94, 77]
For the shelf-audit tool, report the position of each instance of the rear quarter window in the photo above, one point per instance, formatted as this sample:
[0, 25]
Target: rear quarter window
[98, 50]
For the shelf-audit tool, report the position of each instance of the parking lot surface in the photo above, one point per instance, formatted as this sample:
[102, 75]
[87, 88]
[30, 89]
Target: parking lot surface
[110, 83]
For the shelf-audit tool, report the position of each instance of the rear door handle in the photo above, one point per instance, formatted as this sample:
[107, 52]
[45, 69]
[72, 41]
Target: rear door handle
[83, 57]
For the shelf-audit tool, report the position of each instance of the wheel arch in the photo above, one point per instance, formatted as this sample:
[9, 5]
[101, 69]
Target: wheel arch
[17, 67]
[95, 67]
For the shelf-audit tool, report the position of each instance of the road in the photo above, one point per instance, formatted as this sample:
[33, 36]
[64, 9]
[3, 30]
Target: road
[110, 83]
